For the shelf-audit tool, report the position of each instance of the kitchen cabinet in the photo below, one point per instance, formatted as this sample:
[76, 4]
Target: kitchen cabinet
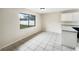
[75, 17]
[69, 39]
[66, 17]
[71, 17]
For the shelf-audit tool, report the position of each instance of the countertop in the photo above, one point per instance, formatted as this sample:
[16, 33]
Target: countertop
[70, 31]
[68, 28]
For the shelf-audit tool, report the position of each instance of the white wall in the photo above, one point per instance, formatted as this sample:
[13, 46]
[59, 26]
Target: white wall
[10, 27]
[51, 22]
[1, 27]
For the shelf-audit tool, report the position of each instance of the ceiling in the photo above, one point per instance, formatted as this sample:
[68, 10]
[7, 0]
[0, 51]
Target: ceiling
[48, 10]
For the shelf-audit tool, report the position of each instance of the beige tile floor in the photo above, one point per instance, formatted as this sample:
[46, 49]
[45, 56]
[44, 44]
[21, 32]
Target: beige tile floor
[45, 41]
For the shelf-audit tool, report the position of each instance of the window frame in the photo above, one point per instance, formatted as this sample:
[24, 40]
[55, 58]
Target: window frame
[30, 18]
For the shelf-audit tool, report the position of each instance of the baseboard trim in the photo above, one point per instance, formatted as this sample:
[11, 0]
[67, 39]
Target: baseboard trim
[13, 46]
[68, 46]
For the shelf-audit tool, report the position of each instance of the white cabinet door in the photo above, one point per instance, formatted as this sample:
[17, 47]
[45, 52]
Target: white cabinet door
[75, 17]
[66, 17]
[69, 39]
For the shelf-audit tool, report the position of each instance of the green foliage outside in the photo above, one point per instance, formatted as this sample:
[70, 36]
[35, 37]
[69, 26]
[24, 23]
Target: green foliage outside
[25, 26]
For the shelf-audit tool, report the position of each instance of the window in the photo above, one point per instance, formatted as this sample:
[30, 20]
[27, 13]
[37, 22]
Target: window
[27, 20]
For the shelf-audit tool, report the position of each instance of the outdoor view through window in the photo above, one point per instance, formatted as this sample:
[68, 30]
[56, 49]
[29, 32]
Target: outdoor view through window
[27, 20]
